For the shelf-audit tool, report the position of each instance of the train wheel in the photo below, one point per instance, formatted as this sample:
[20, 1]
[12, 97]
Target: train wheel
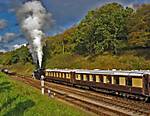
[147, 99]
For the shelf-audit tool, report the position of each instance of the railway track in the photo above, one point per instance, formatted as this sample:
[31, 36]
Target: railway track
[116, 104]
[98, 103]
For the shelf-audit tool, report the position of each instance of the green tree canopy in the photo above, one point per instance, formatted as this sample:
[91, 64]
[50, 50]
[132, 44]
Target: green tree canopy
[21, 55]
[139, 27]
[103, 29]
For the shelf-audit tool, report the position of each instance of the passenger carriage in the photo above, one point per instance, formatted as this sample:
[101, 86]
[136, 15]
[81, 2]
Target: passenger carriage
[135, 84]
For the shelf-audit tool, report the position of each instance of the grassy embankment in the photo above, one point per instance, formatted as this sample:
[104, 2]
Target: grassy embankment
[131, 60]
[23, 69]
[18, 99]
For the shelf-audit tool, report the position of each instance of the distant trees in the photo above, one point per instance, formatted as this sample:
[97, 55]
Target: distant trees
[21, 55]
[110, 28]
[60, 43]
[139, 27]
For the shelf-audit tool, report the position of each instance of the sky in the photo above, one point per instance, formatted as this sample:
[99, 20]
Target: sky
[65, 14]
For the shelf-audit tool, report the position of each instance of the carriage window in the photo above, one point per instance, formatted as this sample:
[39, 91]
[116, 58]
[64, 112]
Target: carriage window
[67, 75]
[57, 74]
[91, 77]
[84, 77]
[129, 81]
[137, 82]
[60, 75]
[108, 79]
[47, 73]
[104, 79]
[78, 77]
[97, 78]
[122, 81]
[51, 74]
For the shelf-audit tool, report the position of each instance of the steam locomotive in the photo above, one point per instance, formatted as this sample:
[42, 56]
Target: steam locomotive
[130, 84]
[38, 73]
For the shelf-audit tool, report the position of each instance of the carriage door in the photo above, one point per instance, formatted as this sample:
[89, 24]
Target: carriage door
[149, 84]
[146, 88]
[72, 77]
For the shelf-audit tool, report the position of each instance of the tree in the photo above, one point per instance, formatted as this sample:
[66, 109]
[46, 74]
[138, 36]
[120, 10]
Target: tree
[139, 27]
[103, 29]
[21, 55]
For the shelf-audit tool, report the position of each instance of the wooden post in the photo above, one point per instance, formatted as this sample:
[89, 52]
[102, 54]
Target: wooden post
[42, 84]
[49, 92]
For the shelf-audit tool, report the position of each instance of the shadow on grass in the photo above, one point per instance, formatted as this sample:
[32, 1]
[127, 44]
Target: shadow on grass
[20, 108]
[8, 103]
[5, 86]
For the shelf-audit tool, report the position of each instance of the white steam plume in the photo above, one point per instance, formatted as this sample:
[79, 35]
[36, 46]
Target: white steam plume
[34, 19]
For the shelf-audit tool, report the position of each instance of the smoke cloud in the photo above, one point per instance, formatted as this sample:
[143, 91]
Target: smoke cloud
[7, 37]
[34, 20]
[3, 23]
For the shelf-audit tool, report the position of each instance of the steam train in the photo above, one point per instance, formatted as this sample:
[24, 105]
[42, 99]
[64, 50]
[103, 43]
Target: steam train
[130, 84]
[38, 73]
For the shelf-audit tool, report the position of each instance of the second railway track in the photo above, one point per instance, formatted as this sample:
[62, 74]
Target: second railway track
[96, 103]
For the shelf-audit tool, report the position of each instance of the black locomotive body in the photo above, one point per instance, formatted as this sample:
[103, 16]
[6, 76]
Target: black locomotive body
[38, 73]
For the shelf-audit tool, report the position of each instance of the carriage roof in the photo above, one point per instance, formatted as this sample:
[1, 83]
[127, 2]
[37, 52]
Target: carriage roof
[104, 72]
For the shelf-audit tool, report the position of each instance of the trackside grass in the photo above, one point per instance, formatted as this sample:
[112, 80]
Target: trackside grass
[18, 99]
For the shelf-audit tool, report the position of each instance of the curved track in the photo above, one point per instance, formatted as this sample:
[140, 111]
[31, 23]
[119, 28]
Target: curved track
[98, 103]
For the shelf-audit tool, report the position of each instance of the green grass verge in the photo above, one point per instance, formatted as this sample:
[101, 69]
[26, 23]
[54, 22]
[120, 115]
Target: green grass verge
[26, 69]
[128, 61]
[18, 99]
